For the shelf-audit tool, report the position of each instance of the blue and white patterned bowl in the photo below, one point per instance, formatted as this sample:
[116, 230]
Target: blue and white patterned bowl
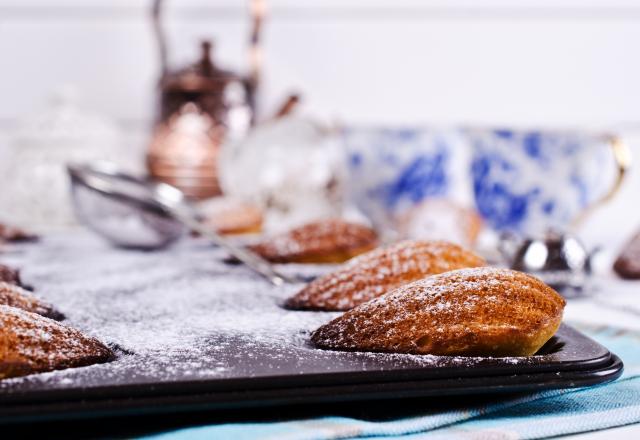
[530, 181]
[393, 169]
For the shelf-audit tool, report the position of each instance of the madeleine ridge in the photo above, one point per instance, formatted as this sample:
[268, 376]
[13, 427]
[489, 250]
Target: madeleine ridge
[30, 343]
[10, 275]
[380, 271]
[322, 241]
[15, 296]
[468, 312]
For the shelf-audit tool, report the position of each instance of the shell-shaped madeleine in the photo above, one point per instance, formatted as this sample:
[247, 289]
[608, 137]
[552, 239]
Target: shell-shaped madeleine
[30, 343]
[467, 312]
[379, 271]
[15, 296]
[14, 234]
[323, 241]
[10, 275]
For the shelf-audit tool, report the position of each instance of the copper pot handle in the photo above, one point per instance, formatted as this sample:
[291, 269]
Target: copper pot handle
[159, 35]
[622, 157]
[257, 10]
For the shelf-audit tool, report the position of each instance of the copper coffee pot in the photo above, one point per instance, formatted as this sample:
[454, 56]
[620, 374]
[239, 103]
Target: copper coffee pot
[200, 106]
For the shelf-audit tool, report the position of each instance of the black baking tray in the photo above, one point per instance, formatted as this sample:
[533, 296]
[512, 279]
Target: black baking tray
[270, 376]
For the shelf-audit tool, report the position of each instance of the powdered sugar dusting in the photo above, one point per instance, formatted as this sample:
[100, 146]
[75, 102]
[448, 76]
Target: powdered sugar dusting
[38, 336]
[471, 310]
[322, 238]
[380, 271]
[181, 314]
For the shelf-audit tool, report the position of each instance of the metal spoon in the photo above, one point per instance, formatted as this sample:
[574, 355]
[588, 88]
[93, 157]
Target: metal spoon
[106, 200]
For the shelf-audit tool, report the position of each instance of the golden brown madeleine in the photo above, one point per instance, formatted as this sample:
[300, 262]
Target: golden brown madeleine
[16, 296]
[30, 343]
[323, 241]
[10, 275]
[441, 219]
[229, 216]
[14, 234]
[380, 271]
[468, 312]
[627, 265]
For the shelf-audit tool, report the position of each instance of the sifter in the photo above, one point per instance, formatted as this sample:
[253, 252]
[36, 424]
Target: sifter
[138, 213]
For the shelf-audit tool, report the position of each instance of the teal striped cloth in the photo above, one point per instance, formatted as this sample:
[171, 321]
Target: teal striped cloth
[541, 415]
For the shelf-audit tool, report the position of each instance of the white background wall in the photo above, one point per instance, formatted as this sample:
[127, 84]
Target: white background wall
[527, 63]
[531, 62]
